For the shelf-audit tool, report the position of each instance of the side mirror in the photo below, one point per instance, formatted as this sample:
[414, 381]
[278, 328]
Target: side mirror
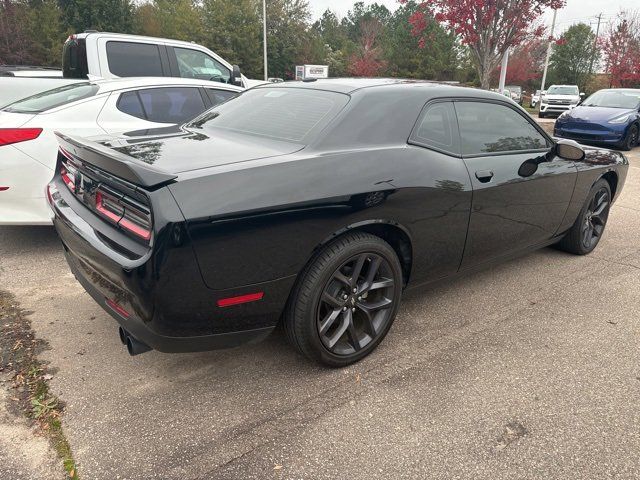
[569, 150]
[236, 76]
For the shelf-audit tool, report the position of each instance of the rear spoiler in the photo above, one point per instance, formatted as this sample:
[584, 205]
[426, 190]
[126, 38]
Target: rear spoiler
[113, 162]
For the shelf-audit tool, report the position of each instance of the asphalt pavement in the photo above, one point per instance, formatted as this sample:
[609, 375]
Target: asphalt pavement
[527, 370]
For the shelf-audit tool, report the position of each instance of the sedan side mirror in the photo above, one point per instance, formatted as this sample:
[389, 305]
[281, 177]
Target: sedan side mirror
[569, 150]
[236, 76]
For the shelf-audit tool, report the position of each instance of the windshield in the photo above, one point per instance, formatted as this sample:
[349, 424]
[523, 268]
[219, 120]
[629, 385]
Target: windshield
[289, 114]
[555, 90]
[629, 99]
[53, 98]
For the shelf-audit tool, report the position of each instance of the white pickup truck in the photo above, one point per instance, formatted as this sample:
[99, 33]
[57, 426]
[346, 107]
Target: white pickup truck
[94, 55]
[558, 99]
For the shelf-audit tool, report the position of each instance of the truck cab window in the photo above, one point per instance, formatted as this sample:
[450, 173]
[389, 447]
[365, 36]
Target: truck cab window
[196, 64]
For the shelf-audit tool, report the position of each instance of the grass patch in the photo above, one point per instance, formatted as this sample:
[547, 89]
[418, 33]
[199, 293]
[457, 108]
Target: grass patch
[18, 356]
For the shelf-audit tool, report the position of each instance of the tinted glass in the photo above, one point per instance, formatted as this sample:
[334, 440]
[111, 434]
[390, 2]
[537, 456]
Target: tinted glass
[129, 103]
[614, 99]
[127, 59]
[219, 96]
[196, 64]
[171, 104]
[289, 114]
[436, 128]
[556, 90]
[53, 98]
[489, 127]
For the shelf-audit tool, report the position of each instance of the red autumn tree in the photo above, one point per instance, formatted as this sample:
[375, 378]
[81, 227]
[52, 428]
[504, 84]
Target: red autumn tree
[525, 63]
[367, 61]
[622, 51]
[488, 27]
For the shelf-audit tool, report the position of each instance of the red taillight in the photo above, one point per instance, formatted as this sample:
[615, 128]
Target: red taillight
[68, 175]
[17, 135]
[4, 189]
[135, 220]
[117, 308]
[251, 297]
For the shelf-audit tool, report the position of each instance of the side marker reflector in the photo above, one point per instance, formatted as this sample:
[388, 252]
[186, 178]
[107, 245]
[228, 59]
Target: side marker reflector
[117, 308]
[251, 297]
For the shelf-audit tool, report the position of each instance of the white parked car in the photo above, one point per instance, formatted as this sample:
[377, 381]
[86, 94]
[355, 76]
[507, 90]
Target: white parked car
[558, 99]
[13, 88]
[29, 150]
[535, 98]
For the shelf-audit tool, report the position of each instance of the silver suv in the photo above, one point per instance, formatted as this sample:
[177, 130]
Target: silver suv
[558, 99]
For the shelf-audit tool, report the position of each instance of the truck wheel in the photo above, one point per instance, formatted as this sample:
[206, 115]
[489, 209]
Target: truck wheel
[540, 115]
[586, 232]
[345, 300]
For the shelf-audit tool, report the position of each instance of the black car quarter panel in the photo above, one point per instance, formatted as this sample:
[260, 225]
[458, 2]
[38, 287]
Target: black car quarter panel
[255, 223]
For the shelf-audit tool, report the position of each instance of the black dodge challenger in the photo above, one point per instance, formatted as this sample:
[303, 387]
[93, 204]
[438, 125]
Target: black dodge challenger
[315, 204]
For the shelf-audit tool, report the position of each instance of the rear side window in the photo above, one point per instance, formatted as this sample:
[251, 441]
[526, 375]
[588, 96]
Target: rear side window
[129, 59]
[163, 105]
[74, 59]
[196, 64]
[288, 114]
[437, 128]
[219, 96]
[490, 127]
[53, 98]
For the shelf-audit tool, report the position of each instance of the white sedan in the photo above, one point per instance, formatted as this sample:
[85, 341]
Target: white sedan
[29, 150]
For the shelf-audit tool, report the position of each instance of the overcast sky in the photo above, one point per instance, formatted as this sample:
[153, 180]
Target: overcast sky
[575, 11]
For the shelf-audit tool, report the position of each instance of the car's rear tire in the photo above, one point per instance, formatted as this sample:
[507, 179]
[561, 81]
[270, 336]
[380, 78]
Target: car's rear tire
[345, 300]
[631, 139]
[586, 232]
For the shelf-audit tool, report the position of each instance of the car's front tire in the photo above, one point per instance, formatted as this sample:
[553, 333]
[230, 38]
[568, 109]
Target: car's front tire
[631, 139]
[541, 115]
[345, 300]
[586, 232]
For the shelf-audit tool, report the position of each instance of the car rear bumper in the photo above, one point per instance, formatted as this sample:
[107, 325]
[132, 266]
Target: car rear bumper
[161, 300]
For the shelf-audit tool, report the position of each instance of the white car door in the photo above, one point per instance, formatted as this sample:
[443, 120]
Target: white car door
[151, 107]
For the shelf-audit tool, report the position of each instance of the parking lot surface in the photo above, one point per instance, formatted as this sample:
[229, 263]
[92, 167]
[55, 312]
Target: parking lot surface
[528, 370]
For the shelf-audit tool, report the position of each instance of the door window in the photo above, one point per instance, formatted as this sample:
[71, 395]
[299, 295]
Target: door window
[436, 128]
[163, 105]
[219, 96]
[490, 127]
[130, 59]
[196, 64]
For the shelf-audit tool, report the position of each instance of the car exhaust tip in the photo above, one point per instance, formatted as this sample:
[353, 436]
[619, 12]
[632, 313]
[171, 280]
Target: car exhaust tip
[136, 347]
[122, 333]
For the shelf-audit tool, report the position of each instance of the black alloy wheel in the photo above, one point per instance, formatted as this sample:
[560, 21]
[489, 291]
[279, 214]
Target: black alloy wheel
[631, 139]
[345, 300]
[355, 305]
[587, 231]
[595, 218]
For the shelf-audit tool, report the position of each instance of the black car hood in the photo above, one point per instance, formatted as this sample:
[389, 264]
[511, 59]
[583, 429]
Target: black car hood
[178, 150]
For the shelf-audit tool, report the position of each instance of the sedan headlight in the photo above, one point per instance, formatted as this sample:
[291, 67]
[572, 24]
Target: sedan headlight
[619, 120]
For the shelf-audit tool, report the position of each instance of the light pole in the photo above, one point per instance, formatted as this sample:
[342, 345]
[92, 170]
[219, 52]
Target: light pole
[546, 62]
[503, 71]
[264, 37]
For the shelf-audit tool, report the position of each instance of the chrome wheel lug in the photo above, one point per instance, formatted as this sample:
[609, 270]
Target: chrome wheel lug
[355, 290]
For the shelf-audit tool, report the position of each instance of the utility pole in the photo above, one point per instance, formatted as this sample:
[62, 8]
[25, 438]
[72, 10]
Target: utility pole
[264, 37]
[503, 71]
[595, 46]
[546, 62]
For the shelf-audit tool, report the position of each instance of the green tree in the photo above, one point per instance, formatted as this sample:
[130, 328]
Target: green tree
[573, 54]
[233, 29]
[438, 61]
[103, 15]
[176, 19]
[47, 32]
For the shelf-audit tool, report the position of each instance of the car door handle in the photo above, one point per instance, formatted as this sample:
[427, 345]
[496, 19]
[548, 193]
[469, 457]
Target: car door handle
[484, 175]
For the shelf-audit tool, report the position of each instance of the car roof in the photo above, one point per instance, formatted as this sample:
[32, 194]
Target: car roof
[110, 85]
[419, 88]
[124, 36]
